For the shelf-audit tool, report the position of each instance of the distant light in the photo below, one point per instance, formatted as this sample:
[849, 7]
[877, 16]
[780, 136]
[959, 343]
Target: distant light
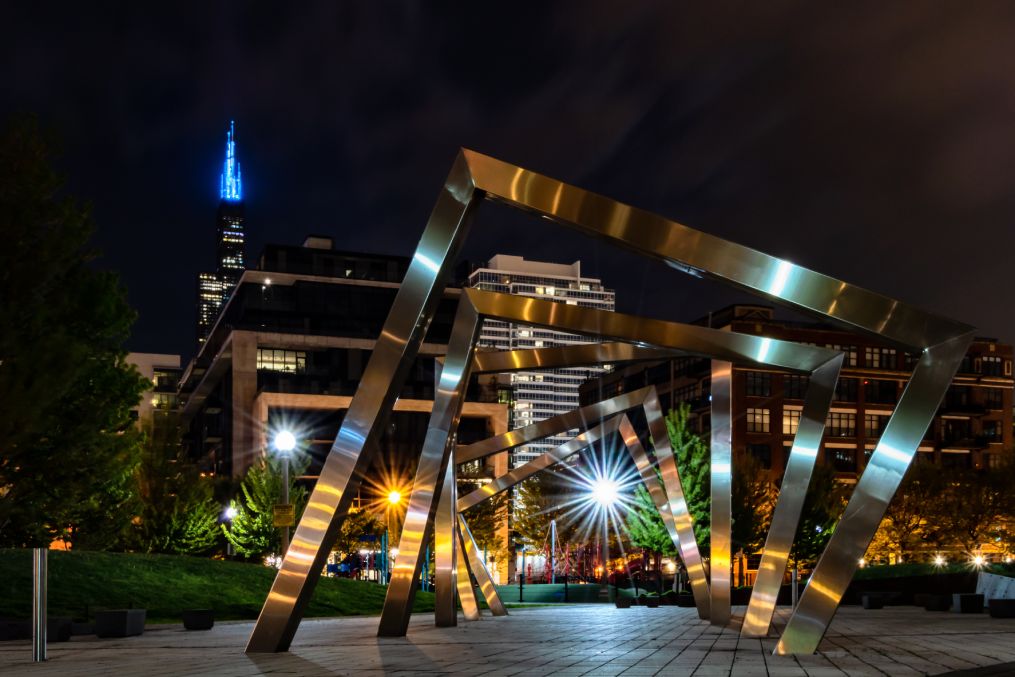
[604, 491]
[979, 561]
[863, 562]
[267, 281]
[230, 513]
[671, 567]
[1007, 560]
[285, 441]
[394, 497]
[939, 560]
[394, 553]
[819, 528]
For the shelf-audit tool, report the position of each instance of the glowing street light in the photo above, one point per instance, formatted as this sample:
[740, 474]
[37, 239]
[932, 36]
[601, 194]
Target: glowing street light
[230, 513]
[394, 497]
[939, 560]
[979, 561]
[605, 491]
[284, 443]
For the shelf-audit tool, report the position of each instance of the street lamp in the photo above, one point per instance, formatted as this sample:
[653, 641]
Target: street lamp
[389, 552]
[285, 442]
[604, 492]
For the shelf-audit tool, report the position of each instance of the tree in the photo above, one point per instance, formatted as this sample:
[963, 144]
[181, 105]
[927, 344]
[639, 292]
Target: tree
[972, 505]
[357, 528]
[251, 531]
[646, 529]
[178, 512]
[486, 521]
[692, 456]
[822, 507]
[912, 506]
[752, 500]
[67, 447]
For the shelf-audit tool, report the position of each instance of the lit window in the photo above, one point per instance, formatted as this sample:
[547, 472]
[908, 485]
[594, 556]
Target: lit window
[758, 420]
[790, 421]
[284, 361]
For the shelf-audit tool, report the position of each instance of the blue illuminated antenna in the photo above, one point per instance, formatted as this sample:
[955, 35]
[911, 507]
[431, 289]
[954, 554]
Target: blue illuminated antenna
[231, 182]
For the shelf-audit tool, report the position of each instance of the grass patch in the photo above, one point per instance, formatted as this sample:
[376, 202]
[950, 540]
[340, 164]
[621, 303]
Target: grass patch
[82, 582]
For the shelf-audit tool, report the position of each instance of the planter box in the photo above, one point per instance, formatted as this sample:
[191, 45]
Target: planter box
[1001, 608]
[623, 602]
[685, 600]
[874, 600]
[969, 603]
[650, 602]
[119, 622]
[59, 629]
[938, 603]
[198, 619]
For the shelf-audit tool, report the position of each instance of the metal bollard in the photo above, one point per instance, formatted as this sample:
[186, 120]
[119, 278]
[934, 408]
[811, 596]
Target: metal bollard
[39, 575]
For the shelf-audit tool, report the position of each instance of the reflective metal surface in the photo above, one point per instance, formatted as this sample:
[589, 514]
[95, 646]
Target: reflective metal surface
[479, 570]
[675, 513]
[721, 471]
[475, 176]
[500, 361]
[446, 574]
[466, 593]
[355, 445]
[430, 474]
[792, 491]
[874, 490]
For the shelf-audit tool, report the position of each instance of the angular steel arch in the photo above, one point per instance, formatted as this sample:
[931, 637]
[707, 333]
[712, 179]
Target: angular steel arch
[940, 342]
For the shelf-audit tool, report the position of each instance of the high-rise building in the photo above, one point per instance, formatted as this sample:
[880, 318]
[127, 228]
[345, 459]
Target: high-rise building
[213, 289]
[538, 395]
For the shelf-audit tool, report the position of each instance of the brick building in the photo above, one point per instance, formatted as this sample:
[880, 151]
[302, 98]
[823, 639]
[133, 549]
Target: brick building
[973, 426]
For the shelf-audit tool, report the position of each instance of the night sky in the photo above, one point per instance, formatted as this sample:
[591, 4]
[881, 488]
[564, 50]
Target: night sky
[873, 142]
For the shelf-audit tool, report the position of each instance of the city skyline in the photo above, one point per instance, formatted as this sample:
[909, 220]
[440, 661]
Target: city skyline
[730, 134]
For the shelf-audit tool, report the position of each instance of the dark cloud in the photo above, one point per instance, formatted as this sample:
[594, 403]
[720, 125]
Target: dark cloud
[870, 141]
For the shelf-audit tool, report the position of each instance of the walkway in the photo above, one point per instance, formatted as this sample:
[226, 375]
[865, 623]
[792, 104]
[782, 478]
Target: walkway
[571, 640]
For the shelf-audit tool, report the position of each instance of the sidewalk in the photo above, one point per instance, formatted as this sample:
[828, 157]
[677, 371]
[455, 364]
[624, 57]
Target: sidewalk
[571, 640]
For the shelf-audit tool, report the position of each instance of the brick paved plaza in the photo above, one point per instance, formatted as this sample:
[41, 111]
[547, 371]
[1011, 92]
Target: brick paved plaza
[572, 640]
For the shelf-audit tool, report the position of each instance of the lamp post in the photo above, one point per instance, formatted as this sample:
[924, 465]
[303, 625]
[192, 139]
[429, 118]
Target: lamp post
[604, 492]
[285, 442]
[394, 500]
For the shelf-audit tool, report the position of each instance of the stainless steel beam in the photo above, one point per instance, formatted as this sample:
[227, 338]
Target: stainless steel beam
[466, 593]
[479, 570]
[446, 574]
[355, 446]
[792, 492]
[721, 456]
[874, 490]
[430, 473]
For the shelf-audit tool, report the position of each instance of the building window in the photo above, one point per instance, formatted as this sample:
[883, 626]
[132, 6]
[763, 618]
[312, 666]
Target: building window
[992, 461]
[796, 387]
[874, 425]
[850, 353]
[845, 390]
[757, 420]
[840, 424]
[763, 453]
[759, 384]
[879, 358]
[164, 401]
[880, 392]
[992, 430]
[991, 365]
[993, 398]
[790, 421]
[843, 460]
[284, 361]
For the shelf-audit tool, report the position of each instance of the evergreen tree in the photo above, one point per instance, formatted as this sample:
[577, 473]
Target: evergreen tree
[645, 527]
[693, 463]
[67, 447]
[179, 514]
[251, 531]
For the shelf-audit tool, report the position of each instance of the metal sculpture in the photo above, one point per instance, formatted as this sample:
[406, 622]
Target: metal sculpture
[941, 344]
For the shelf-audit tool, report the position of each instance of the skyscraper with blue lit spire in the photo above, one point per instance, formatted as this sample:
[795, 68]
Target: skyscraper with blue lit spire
[215, 288]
